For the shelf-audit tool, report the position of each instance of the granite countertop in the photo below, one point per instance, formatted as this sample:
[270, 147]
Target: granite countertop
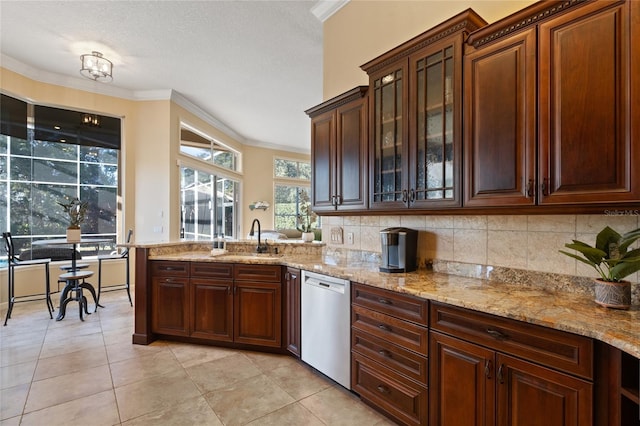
[574, 312]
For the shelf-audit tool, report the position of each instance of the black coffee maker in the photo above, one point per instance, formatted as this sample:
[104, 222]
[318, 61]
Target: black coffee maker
[399, 249]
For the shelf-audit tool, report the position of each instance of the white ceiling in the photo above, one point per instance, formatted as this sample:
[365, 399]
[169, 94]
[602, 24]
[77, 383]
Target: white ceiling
[254, 66]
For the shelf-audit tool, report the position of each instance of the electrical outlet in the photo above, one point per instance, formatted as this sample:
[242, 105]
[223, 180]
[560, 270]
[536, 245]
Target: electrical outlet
[336, 235]
[350, 238]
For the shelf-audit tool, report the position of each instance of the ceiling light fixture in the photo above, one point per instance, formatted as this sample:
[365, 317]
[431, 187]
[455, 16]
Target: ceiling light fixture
[91, 120]
[96, 67]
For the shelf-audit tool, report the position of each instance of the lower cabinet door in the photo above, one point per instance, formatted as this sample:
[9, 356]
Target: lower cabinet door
[212, 309]
[258, 313]
[529, 394]
[292, 279]
[462, 383]
[170, 306]
[389, 391]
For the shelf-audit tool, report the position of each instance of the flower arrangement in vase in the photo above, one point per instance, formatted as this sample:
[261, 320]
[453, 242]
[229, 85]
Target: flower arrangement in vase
[306, 217]
[77, 211]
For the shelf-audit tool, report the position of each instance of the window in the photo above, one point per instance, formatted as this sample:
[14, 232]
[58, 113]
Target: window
[291, 189]
[288, 203]
[208, 150]
[55, 158]
[208, 205]
[292, 169]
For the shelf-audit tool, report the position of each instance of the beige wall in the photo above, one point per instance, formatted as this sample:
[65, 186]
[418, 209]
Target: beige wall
[361, 31]
[258, 183]
[364, 29]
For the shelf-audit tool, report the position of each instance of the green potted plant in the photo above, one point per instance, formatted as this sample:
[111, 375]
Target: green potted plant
[614, 261]
[76, 210]
[306, 217]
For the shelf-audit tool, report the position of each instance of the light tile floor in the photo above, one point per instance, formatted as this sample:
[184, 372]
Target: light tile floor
[73, 372]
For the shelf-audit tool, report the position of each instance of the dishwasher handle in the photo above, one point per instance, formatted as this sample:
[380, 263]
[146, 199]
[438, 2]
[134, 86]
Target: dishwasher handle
[324, 285]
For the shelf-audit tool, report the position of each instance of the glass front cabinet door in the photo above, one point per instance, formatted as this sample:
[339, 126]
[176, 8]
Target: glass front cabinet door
[415, 94]
[435, 137]
[389, 157]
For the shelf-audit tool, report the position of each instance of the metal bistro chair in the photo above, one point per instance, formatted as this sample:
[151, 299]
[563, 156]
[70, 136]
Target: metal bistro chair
[15, 262]
[124, 254]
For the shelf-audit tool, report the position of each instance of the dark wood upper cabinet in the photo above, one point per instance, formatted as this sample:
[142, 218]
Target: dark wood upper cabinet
[569, 67]
[415, 94]
[500, 132]
[587, 149]
[339, 152]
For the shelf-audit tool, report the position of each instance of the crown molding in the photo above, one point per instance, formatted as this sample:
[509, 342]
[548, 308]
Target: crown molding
[324, 9]
[269, 145]
[180, 99]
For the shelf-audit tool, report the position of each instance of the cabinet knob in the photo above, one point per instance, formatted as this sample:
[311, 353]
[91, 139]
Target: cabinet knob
[383, 389]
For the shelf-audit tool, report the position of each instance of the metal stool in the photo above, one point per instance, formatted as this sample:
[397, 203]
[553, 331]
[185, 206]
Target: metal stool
[67, 267]
[73, 292]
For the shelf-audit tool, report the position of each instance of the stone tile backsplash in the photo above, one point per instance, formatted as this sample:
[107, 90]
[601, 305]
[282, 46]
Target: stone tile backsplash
[528, 243]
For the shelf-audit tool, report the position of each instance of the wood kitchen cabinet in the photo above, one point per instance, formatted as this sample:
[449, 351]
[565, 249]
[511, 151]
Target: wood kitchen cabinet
[220, 302]
[170, 298]
[618, 387]
[293, 318]
[212, 301]
[257, 305]
[389, 346]
[487, 370]
[572, 68]
[415, 94]
[339, 142]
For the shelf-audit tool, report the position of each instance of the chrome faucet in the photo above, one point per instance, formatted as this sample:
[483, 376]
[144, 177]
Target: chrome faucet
[260, 248]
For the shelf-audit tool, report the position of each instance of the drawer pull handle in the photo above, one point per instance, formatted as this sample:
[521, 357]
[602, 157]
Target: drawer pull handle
[497, 334]
[501, 374]
[384, 301]
[383, 389]
[384, 353]
[487, 369]
[384, 327]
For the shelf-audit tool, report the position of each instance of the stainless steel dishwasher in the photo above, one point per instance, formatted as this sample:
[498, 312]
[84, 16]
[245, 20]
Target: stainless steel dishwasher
[326, 326]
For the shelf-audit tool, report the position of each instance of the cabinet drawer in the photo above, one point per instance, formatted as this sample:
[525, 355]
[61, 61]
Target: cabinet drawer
[174, 269]
[554, 348]
[402, 333]
[389, 391]
[266, 273]
[391, 303]
[396, 358]
[211, 270]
